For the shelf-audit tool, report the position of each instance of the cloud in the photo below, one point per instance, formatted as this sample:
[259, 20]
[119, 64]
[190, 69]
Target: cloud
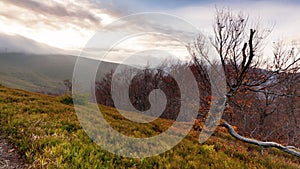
[115, 7]
[55, 9]
[70, 24]
[284, 14]
[63, 24]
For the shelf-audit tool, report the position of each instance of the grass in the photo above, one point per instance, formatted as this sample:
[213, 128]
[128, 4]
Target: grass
[47, 133]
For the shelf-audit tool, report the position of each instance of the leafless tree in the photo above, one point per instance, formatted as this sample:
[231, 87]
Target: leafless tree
[239, 48]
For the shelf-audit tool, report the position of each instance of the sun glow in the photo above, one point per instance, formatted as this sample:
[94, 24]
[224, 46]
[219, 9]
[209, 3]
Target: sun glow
[56, 30]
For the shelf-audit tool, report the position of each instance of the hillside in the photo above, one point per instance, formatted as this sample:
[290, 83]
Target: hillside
[48, 135]
[41, 73]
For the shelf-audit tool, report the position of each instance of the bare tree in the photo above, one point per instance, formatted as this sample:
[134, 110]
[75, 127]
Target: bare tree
[239, 48]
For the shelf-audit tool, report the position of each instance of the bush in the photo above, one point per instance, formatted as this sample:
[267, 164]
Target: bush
[77, 99]
[66, 99]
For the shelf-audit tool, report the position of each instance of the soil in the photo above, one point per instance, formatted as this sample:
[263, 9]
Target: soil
[10, 158]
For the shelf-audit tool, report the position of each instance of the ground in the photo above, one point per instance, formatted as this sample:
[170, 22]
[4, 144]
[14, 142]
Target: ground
[9, 155]
[47, 133]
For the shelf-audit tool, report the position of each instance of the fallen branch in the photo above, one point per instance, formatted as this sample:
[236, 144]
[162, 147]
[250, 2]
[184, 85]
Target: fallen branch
[288, 149]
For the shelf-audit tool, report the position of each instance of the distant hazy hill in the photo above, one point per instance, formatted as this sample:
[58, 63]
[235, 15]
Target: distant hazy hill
[42, 73]
[21, 44]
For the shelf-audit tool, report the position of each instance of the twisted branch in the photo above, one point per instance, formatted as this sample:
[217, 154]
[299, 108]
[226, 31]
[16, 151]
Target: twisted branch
[288, 149]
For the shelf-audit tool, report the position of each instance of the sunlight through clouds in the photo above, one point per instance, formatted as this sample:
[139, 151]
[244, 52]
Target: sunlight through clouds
[69, 25]
[59, 24]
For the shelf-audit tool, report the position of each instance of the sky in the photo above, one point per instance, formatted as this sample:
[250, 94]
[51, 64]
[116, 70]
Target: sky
[68, 25]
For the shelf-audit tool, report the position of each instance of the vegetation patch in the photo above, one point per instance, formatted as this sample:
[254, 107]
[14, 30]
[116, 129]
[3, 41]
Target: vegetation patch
[48, 135]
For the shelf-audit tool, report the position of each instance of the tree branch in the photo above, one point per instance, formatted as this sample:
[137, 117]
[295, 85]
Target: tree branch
[288, 149]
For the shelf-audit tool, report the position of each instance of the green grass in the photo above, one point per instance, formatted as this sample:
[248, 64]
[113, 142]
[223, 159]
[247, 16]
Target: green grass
[47, 133]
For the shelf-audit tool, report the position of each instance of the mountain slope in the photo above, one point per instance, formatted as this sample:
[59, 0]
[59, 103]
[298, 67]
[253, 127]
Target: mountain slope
[48, 134]
[41, 73]
[22, 44]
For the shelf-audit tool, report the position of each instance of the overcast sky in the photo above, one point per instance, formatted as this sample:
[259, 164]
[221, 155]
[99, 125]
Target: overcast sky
[69, 24]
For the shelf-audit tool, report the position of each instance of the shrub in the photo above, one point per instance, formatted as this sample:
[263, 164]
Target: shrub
[66, 99]
[77, 99]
